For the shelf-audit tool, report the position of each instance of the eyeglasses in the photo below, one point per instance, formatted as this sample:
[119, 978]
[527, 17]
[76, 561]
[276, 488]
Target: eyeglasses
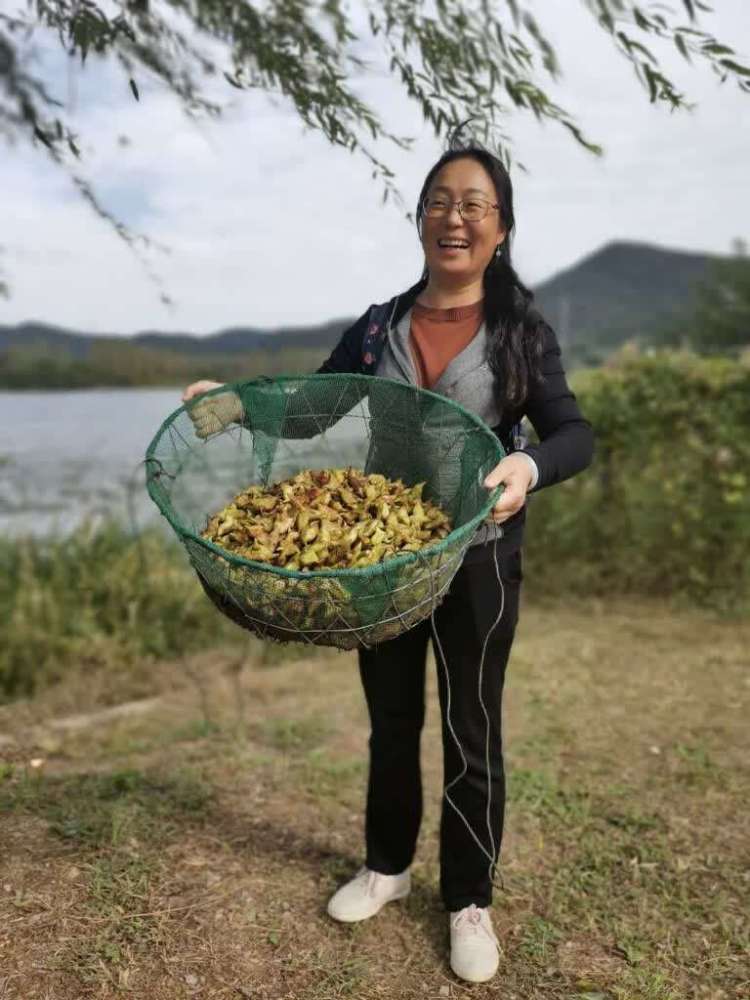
[470, 209]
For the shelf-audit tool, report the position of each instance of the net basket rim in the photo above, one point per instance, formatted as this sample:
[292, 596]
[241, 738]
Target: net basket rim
[355, 572]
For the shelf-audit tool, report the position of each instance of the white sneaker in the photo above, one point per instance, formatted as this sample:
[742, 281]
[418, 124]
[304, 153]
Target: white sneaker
[475, 951]
[367, 893]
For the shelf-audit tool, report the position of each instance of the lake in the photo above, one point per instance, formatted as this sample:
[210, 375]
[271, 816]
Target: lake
[64, 455]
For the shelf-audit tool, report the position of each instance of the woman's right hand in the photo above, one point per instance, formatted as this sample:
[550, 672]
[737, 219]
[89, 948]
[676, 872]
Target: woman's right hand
[212, 415]
[196, 388]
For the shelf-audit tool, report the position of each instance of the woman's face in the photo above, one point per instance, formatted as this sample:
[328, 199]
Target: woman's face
[460, 180]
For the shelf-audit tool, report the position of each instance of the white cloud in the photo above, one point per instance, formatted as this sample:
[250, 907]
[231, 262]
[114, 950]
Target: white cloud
[268, 225]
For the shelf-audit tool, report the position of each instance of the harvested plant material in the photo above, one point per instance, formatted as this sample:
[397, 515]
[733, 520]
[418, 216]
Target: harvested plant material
[328, 519]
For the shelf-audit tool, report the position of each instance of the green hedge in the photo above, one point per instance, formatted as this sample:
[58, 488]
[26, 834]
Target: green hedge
[665, 507]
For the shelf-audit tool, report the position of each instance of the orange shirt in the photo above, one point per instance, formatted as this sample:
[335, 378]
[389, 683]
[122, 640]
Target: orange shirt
[438, 335]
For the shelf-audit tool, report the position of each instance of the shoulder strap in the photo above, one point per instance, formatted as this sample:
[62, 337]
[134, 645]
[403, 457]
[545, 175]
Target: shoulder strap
[373, 339]
[518, 437]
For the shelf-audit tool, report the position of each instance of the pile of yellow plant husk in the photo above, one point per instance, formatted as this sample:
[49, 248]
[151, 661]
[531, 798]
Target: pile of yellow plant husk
[328, 519]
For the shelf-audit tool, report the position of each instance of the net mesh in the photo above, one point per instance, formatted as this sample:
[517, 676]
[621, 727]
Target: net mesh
[322, 422]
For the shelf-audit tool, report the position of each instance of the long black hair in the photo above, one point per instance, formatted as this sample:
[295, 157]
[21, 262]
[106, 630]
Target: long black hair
[515, 332]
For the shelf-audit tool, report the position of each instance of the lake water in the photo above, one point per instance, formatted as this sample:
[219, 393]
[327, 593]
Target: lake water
[64, 455]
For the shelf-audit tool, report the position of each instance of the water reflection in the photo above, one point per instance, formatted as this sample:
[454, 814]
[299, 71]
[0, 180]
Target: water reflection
[65, 456]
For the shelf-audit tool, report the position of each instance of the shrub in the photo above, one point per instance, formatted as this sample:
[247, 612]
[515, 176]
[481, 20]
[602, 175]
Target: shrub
[665, 507]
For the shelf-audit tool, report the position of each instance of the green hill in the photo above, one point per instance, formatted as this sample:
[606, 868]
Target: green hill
[621, 292]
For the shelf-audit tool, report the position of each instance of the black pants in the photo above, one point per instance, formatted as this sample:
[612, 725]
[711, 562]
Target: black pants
[393, 676]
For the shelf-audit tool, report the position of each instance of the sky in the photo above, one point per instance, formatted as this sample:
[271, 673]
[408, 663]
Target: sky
[264, 224]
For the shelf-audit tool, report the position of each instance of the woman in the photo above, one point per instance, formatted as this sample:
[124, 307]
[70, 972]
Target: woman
[466, 330]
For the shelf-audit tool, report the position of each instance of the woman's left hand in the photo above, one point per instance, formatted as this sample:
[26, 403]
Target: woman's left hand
[515, 473]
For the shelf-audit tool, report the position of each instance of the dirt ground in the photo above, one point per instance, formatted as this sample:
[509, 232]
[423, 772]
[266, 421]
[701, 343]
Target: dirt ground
[184, 845]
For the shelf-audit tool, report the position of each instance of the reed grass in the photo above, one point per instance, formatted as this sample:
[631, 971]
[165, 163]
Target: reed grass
[98, 597]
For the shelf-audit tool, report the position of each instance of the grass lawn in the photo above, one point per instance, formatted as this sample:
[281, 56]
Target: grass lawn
[184, 846]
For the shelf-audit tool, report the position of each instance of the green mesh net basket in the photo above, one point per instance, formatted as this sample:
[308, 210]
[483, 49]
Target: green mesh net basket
[322, 422]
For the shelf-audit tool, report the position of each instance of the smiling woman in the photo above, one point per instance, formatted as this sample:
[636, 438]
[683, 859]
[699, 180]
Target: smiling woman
[465, 330]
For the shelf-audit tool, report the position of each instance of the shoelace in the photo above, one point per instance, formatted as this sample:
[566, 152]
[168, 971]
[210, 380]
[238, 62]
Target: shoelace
[372, 881]
[471, 919]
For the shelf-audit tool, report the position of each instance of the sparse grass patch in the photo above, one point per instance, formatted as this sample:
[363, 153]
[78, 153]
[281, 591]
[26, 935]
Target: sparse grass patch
[340, 976]
[146, 737]
[538, 792]
[696, 766]
[292, 735]
[194, 729]
[325, 776]
[119, 889]
[540, 939]
[103, 810]
[301, 761]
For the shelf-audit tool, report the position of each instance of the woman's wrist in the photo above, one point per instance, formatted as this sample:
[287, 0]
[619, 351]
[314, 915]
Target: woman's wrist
[533, 467]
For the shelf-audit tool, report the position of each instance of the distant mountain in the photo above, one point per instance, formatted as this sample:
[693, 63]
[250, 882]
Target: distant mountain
[622, 291]
[231, 341]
